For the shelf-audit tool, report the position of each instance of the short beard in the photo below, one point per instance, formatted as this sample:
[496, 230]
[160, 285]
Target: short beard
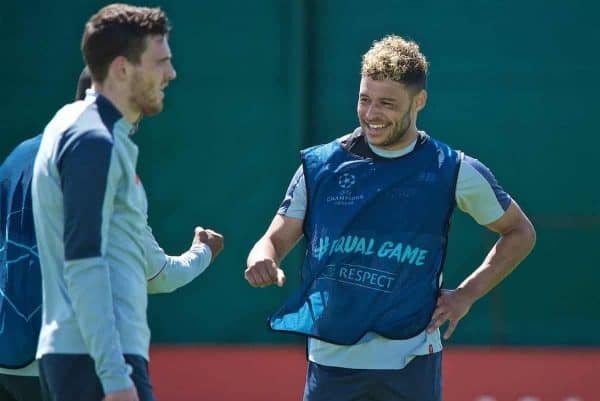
[140, 100]
[401, 131]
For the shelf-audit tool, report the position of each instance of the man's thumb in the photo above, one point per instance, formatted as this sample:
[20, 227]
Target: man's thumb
[280, 278]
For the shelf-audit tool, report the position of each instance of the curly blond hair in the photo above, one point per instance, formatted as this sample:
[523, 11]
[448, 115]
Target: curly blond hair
[397, 59]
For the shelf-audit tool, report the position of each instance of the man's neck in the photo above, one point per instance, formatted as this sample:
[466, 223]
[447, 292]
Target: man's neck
[388, 153]
[407, 140]
[119, 100]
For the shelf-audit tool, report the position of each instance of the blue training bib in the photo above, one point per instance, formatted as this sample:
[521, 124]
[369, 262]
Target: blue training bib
[20, 277]
[376, 231]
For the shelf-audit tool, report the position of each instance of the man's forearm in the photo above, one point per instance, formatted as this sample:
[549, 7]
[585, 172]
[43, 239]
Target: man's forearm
[178, 271]
[263, 262]
[88, 286]
[503, 258]
[264, 249]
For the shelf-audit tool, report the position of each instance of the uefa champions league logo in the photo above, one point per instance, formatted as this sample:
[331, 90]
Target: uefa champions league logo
[346, 180]
[345, 197]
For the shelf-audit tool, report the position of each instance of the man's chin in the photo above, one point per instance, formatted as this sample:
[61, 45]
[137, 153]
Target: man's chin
[151, 110]
[375, 139]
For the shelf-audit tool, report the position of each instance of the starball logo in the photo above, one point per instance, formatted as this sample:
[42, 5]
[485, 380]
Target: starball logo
[347, 180]
[345, 197]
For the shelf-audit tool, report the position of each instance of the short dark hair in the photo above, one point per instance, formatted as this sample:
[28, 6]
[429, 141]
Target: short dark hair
[83, 84]
[119, 30]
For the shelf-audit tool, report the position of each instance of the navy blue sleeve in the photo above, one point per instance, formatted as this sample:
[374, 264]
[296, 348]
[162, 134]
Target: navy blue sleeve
[83, 165]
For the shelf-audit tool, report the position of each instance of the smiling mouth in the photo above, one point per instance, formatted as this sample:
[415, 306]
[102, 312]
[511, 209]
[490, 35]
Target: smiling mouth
[374, 128]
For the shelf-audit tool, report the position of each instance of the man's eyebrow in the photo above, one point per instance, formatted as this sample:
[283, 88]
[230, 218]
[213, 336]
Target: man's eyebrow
[384, 99]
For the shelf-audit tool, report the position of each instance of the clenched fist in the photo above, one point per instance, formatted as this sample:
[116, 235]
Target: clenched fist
[264, 272]
[213, 239]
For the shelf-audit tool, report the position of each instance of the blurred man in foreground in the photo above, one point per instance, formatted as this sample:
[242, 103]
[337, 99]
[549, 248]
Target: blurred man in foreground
[98, 256]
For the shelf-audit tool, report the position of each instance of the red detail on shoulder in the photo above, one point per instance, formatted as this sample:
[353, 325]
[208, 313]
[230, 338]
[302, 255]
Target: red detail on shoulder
[137, 180]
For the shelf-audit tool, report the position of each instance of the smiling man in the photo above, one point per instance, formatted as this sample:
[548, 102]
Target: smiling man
[375, 208]
[97, 254]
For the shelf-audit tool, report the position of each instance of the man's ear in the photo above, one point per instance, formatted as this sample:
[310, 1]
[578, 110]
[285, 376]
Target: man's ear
[420, 100]
[120, 69]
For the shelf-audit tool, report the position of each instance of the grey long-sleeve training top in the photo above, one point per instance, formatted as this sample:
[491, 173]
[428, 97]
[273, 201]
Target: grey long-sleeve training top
[98, 256]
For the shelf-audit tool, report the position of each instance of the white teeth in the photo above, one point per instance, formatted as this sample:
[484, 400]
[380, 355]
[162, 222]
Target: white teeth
[376, 126]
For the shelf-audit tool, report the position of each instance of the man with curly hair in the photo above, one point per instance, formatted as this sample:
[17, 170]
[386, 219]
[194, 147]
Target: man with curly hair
[375, 208]
[97, 254]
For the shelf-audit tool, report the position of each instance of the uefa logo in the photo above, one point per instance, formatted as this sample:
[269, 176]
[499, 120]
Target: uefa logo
[347, 180]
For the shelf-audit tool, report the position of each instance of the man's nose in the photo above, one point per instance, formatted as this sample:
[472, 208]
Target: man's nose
[371, 111]
[171, 73]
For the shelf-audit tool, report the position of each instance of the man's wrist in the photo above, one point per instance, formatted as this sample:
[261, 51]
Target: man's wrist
[116, 383]
[201, 250]
[468, 293]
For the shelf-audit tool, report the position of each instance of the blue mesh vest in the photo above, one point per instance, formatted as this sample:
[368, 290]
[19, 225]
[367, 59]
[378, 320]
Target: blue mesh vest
[376, 232]
[20, 277]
